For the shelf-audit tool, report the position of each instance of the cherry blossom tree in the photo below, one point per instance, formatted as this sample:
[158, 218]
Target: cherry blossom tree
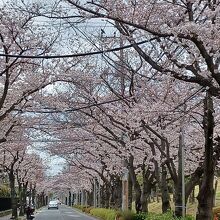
[175, 44]
[181, 45]
[19, 80]
[103, 117]
[29, 172]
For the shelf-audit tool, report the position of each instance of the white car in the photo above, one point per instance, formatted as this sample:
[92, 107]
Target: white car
[53, 204]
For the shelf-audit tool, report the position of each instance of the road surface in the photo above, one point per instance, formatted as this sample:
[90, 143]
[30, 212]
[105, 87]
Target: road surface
[63, 213]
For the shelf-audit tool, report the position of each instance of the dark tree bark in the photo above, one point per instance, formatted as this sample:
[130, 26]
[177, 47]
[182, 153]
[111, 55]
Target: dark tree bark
[33, 195]
[116, 190]
[90, 198]
[69, 200]
[206, 192]
[136, 185]
[164, 191]
[130, 196]
[13, 195]
[141, 194]
[148, 184]
[30, 195]
[163, 184]
[165, 151]
[22, 197]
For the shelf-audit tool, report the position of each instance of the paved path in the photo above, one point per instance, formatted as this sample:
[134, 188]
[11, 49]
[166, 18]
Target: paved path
[63, 213]
[7, 217]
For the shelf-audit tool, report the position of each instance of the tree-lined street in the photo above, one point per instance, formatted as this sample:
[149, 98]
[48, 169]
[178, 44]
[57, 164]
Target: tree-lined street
[122, 96]
[63, 213]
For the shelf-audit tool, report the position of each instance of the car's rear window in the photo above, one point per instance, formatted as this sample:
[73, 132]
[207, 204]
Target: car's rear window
[53, 202]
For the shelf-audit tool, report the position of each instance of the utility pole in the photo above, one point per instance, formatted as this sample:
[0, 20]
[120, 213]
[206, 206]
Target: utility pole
[182, 151]
[120, 70]
[183, 170]
[121, 67]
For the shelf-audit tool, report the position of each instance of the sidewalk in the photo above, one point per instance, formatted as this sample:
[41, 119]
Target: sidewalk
[7, 217]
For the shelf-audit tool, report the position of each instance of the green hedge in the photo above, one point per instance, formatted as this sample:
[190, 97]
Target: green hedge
[81, 207]
[111, 214]
[105, 214]
[85, 209]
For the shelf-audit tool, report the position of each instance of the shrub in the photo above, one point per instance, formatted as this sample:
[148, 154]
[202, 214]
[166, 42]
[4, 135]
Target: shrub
[105, 214]
[81, 207]
[140, 216]
[87, 209]
[125, 215]
[166, 216]
[111, 214]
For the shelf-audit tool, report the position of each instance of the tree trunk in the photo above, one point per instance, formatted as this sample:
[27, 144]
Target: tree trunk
[178, 201]
[106, 195]
[136, 185]
[138, 204]
[33, 195]
[116, 192]
[147, 186]
[144, 203]
[161, 179]
[148, 183]
[164, 191]
[137, 190]
[69, 200]
[157, 194]
[30, 195]
[13, 195]
[215, 190]
[21, 196]
[90, 198]
[164, 188]
[21, 212]
[206, 192]
[130, 188]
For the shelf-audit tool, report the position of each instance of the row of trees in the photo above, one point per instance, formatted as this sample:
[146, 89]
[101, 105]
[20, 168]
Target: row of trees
[136, 107]
[20, 80]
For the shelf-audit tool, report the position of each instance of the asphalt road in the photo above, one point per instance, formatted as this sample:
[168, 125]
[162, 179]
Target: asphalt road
[63, 213]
